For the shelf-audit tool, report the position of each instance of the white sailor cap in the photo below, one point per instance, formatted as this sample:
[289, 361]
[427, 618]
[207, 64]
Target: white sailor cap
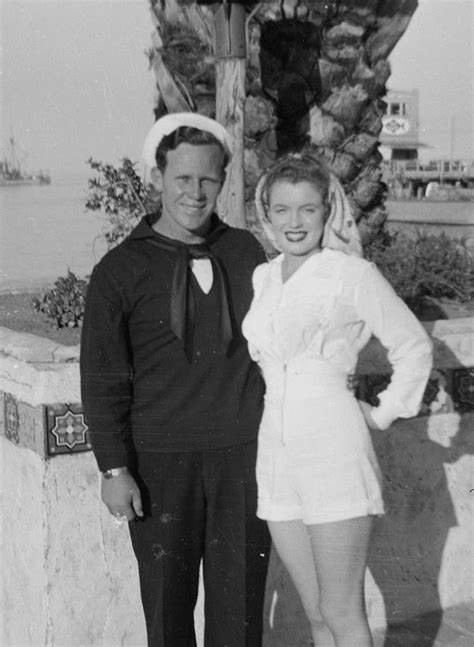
[171, 122]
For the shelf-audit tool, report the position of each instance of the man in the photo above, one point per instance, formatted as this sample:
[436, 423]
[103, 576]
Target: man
[172, 399]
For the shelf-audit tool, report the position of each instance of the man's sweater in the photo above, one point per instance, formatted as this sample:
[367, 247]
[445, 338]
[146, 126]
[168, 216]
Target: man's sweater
[136, 379]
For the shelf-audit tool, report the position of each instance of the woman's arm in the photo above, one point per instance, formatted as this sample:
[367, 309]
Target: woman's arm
[409, 347]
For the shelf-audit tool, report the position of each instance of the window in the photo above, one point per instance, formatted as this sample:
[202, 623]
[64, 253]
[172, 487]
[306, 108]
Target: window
[398, 109]
[394, 108]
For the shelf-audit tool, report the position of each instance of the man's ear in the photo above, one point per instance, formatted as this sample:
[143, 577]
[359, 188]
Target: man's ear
[157, 178]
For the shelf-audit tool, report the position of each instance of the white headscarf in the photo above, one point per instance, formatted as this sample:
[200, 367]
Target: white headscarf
[169, 123]
[340, 230]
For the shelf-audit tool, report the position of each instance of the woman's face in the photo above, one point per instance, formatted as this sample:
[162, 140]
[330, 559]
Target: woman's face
[297, 215]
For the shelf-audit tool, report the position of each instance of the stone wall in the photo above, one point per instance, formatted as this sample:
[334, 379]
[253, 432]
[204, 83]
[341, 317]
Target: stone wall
[68, 573]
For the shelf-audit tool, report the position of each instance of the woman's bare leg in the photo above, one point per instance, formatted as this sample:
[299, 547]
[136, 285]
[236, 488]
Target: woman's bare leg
[340, 556]
[292, 542]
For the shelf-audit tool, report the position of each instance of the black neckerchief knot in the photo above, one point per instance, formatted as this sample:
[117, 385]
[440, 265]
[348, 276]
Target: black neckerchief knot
[181, 317]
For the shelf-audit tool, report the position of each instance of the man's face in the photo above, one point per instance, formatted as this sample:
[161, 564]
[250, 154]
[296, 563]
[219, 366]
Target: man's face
[190, 184]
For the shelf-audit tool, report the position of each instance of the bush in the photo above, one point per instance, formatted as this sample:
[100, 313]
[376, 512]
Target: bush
[120, 194]
[64, 304]
[430, 265]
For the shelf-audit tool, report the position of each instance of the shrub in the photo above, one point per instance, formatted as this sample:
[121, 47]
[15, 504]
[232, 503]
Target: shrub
[64, 304]
[120, 194]
[431, 265]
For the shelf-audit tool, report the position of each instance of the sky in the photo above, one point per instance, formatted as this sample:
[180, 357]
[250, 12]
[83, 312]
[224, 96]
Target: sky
[436, 55]
[75, 81]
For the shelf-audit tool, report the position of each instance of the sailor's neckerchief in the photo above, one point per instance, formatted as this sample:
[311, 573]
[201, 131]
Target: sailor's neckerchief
[181, 318]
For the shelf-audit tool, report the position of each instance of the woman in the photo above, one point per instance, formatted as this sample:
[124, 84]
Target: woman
[315, 306]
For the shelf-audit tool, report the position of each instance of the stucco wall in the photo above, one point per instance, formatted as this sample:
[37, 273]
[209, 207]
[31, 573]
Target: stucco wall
[23, 540]
[68, 573]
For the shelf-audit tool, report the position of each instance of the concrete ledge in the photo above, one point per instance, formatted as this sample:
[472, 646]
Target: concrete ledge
[33, 349]
[39, 383]
[36, 370]
[453, 341]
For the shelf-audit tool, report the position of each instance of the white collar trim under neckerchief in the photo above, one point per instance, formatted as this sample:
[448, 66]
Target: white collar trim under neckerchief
[202, 270]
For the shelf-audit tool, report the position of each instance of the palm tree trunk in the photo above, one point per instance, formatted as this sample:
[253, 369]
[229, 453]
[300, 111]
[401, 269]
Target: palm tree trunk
[316, 75]
[230, 100]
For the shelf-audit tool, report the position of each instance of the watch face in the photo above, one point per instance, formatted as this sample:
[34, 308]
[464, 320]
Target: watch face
[114, 471]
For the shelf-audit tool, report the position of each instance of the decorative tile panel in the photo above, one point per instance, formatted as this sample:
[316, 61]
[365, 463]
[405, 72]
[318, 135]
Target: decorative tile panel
[11, 418]
[463, 389]
[22, 424]
[67, 431]
[32, 428]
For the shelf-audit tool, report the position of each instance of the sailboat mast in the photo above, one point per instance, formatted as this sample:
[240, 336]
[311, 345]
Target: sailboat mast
[13, 159]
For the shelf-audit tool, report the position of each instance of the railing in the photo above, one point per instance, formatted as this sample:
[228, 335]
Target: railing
[440, 169]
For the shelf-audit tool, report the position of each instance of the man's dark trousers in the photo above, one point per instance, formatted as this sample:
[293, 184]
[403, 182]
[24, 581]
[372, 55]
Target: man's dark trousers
[201, 505]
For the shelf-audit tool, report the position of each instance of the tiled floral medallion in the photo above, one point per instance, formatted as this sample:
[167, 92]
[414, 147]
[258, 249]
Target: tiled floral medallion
[11, 418]
[66, 430]
[463, 389]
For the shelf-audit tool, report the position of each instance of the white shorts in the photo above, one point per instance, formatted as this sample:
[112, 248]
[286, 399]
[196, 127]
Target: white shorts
[293, 483]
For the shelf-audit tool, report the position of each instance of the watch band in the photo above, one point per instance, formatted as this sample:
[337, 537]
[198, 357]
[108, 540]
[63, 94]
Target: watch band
[115, 471]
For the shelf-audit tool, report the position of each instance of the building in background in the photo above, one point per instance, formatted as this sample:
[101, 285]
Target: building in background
[399, 136]
[404, 174]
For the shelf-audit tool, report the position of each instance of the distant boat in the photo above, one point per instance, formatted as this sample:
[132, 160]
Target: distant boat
[11, 172]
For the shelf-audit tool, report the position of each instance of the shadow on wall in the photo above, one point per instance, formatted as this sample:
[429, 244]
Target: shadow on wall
[409, 541]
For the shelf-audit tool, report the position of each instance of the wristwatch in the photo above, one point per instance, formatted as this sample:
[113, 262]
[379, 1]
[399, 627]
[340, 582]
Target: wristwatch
[115, 471]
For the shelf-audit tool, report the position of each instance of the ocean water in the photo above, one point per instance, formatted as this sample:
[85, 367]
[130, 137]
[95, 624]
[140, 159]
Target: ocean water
[44, 230]
[455, 219]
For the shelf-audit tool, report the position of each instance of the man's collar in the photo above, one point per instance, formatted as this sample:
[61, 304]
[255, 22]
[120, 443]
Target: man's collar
[145, 230]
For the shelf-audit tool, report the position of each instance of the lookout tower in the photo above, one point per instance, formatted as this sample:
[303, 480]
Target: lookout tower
[399, 136]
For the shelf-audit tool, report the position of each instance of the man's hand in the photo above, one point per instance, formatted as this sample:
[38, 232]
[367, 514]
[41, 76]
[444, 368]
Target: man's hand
[122, 496]
[367, 413]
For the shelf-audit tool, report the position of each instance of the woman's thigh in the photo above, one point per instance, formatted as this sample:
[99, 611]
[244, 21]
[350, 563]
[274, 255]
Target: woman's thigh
[293, 545]
[340, 553]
